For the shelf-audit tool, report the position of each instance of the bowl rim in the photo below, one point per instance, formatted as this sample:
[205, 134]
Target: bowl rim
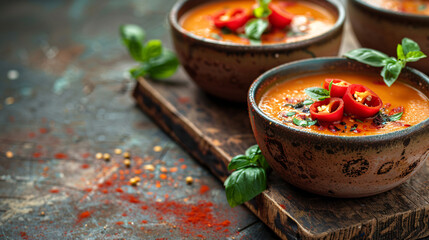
[391, 13]
[253, 106]
[173, 20]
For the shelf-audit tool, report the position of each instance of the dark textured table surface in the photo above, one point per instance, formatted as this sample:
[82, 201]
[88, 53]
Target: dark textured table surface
[65, 96]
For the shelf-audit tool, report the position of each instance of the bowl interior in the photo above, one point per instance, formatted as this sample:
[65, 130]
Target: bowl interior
[181, 7]
[316, 66]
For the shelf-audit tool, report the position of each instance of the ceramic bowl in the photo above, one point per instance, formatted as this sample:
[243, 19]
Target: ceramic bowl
[333, 165]
[383, 29]
[226, 70]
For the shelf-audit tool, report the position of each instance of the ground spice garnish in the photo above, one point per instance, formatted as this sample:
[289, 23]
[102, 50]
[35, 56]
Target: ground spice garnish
[204, 189]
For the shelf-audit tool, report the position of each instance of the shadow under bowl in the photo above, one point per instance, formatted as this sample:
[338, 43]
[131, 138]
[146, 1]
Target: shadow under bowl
[226, 70]
[383, 29]
[338, 166]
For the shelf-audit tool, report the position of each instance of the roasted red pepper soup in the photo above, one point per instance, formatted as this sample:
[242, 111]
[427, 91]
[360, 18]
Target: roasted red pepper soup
[420, 7]
[285, 101]
[291, 21]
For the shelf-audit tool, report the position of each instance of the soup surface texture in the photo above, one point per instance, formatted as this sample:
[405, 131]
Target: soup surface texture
[420, 7]
[281, 101]
[309, 20]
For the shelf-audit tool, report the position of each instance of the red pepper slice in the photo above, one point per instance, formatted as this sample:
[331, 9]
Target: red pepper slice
[328, 110]
[361, 102]
[231, 18]
[279, 17]
[338, 87]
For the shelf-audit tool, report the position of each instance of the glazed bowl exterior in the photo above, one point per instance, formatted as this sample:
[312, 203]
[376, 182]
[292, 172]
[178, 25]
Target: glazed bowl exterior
[226, 70]
[383, 29]
[334, 165]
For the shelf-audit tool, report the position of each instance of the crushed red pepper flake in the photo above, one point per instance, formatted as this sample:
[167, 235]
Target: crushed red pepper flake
[60, 156]
[173, 169]
[204, 189]
[183, 166]
[163, 176]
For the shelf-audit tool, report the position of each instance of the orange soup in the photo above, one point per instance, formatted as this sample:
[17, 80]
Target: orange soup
[420, 7]
[309, 20]
[281, 103]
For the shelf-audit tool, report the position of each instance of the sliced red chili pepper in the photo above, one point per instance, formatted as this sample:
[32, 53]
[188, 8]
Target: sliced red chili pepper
[361, 102]
[279, 17]
[231, 18]
[338, 87]
[328, 110]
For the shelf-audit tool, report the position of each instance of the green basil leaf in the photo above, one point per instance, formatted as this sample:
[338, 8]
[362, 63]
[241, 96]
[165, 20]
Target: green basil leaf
[254, 28]
[139, 71]
[152, 49]
[330, 87]
[299, 122]
[317, 93]
[245, 184]
[311, 123]
[238, 162]
[290, 114]
[131, 31]
[414, 56]
[252, 151]
[400, 52]
[395, 117]
[163, 66]
[263, 163]
[368, 56]
[308, 102]
[409, 45]
[390, 72]
[262, 10]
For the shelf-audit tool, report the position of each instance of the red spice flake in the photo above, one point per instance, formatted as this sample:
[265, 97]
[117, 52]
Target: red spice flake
[201, 236]
[163, 176]
[204, 189]
[31, 134]
[119, 190]
[24, 235]
[54, 190]
[173, 169]
[60, 156]
[105, 191]
[144, 207]
[137, 171]
[43, 130]
[181, 160]
[124, 214]
[183, 166]
[130, 198]
[144, 221]
[88, 190]
[163, 169]
[283, 206]
[166, 196]
[183, 100]
[149, 193]
[396, 110]
[86, 155]
[158, 184]
[225, 223]
[37, 154]
[160, 218]
[83, 215]
[120, 223]
[84, 166]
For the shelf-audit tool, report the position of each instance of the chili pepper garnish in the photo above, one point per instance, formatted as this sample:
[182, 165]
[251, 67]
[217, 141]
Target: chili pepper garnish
[361, 102]
[279, 17]
[232, 19]
[328, 110]
[338, 87]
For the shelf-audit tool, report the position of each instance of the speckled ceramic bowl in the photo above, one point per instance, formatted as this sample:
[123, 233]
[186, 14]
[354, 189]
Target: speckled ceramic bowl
[226, 70]
[332, 165]
[383, 29]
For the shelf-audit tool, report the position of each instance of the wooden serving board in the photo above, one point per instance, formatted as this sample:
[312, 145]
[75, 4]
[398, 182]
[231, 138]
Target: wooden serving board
[214, 131]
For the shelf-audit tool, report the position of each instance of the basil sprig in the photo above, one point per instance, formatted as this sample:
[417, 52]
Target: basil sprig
[408, 51]
[381, 118]
[318, 93]
[249, 178]
[256, 27]
[156, 61]
[304, 122]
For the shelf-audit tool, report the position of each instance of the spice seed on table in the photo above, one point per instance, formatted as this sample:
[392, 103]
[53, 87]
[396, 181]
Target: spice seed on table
[99, 155]
[127, 155]
[118, 151]
[9, 154]
[134, 181]
[189, 180]
[106, 156]
[127, 163]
